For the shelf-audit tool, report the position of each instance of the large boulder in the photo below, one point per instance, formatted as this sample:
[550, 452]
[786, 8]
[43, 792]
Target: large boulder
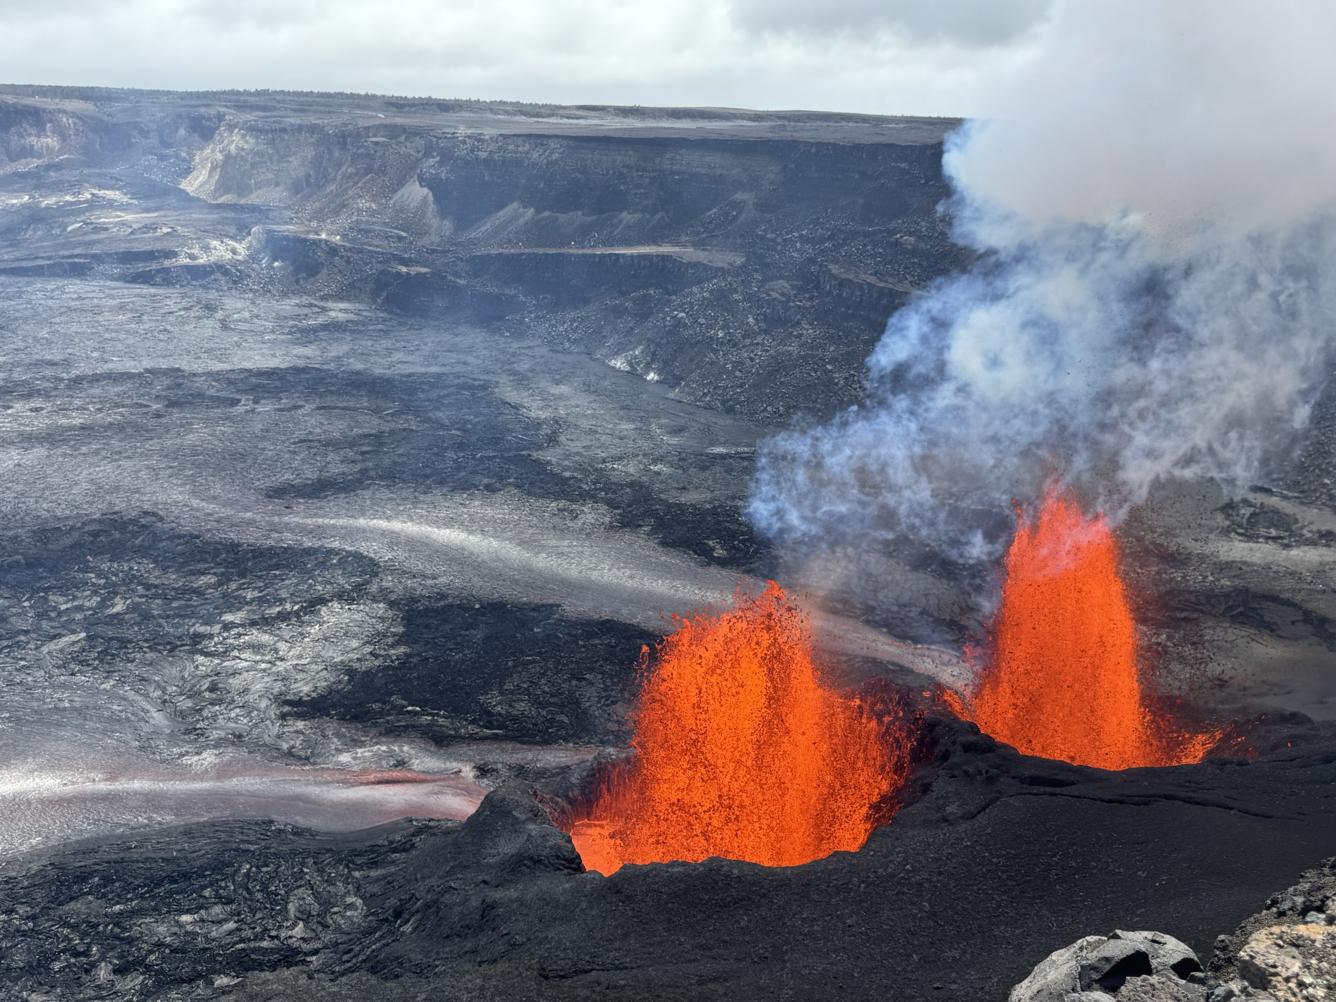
[1159, 988]
[1147, 966]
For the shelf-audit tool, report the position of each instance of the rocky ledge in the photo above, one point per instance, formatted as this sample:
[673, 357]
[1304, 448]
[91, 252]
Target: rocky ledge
[1284, 953]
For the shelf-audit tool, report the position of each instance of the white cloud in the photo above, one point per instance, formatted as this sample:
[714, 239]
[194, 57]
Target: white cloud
[896, 57]
[969, 22]
[1178, 113]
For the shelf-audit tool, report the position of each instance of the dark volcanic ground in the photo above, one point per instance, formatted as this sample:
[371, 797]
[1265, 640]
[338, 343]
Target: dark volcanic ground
[1003, 861]
[353, 447]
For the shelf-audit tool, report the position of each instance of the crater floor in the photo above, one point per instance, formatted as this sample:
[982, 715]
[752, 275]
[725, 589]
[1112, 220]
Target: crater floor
[353, 448]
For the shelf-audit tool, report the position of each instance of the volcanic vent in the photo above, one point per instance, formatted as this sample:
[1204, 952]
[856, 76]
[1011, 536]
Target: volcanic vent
[741, 750]
[1065, 674]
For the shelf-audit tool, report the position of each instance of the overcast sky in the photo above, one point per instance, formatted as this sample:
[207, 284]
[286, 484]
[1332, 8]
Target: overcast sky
[927, 57]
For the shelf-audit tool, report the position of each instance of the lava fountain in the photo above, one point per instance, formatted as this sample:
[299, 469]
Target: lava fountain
[1063, 678]
[740, 751]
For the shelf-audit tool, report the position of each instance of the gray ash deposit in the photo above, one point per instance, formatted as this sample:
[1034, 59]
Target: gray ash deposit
[353, 449]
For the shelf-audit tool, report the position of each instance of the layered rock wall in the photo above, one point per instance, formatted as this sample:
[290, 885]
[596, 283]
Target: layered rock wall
[749, 261]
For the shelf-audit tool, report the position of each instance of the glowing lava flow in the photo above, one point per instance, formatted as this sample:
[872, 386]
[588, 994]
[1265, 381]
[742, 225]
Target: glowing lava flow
[1063, 678]
[740, 751]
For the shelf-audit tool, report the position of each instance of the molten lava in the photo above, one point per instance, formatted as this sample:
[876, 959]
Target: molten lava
[1063, 680]
[740, 751]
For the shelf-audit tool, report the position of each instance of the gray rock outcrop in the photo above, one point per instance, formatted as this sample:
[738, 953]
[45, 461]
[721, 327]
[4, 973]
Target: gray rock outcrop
[1284, 953]
[1139, 966]
[1291, 962]
[1287, 951]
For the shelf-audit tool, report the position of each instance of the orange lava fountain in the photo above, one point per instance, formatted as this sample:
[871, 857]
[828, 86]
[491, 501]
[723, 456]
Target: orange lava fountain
[740, 751]
[1063, 679]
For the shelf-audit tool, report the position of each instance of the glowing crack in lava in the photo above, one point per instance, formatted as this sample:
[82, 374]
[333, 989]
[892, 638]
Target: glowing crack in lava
[741, 752]
[1063, 678]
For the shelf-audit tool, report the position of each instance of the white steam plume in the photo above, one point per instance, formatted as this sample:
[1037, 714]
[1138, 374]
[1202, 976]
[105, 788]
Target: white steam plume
[1152, 196]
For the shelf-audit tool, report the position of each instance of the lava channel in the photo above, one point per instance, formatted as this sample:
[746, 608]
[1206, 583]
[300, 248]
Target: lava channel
[740, 751]
[1063, 678]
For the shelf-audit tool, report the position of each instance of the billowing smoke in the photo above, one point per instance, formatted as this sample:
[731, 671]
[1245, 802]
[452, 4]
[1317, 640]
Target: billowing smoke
[1151, 192]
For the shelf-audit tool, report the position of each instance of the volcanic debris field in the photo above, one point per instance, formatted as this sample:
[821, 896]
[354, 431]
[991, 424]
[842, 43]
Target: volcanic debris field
[353, 449]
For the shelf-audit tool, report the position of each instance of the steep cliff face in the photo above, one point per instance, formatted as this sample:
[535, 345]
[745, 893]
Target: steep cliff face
[45, 126]
[747, 273]
[33, 134]
[747, 260]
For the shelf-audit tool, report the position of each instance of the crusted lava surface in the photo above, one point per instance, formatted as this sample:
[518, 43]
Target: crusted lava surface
[988, 871]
